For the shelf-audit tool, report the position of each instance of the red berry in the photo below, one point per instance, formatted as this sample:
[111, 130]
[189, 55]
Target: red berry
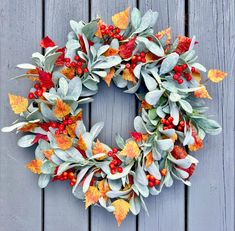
[181, 123]
[38, 93]
[142, 54]
[184, 66]
[167, 122]
[134, 58]
[143, 60]
[36, 86]
[67, 60]
[115, 150]
[73, 64]
[31, 95]
[76, 57]
[180, 81]
[177, 69]
[53, 124]
[65, 122]
[79, 70]
[170, 119]
[189, 78]
[152, 178]
[79, 64]
[113, 171]
[70, 121]
[157, 182]
[163, 121]
[86, 70]
[193, 69]
[117, 30]
[61, 127]
[103, 27]
[67, 64]
[128, 65]
[180, 128]
[120, 169]
[115, 162]
[57, 132]
[165, 128]
[111, 27]
[65, 132]
[170, 126]
[72, 183]
[176, 76]
[65, 174]
[71, 175]
[112, 165]
[151, 184]
[110, 153]
[133, 65]
[139, 58]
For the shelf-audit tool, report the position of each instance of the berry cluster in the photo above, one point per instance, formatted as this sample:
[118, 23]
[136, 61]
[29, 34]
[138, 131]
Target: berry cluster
[179, 71]
[67, 175]
[111, 32]
[115, 164]
[135, 59]
[152, 181]
[78, 64]
[61, 127]
[38, 91]
[167, 122]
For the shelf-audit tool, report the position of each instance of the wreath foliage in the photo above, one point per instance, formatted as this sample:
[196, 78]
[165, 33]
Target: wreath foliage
[163, 74]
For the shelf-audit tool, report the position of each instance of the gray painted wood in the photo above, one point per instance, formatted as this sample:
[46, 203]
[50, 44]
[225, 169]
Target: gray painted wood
[167, 209]
[62, 210]
[20, 197]
[211, 197]
[117, 110]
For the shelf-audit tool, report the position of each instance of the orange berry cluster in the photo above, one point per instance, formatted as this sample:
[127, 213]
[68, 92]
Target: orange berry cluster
[152, 181]
[179, 70]
[78, 64]
[136, 59]
[61, 127]
[38, 91]
[67, 175]
[115, 164]
[111, 31]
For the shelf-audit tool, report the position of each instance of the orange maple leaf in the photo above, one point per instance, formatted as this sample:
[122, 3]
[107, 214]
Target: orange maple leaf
[166, 32]
[130, 149]
[121, 19]
[99, 148]
[91, 196]
[202, 93]
[81, 143]
[71, 130]
[109, 76]
[111, 52]
[76, 117]
[216, 75]
[61, 109]
[122, 208]
[64, 142]
[68, 72]
[128, 75]
[103, 187]
[48, 153]
[18, 104]
[149, 159]
[35, 166]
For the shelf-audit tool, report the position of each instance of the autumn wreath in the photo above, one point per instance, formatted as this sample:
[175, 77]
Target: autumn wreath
[172, 120]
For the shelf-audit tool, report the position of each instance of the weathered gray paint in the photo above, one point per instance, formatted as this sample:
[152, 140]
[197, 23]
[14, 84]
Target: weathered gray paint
[207, 205]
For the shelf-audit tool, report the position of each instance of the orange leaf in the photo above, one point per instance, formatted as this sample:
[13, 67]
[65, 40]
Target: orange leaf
[103, 187]
[111, 52]
[69, 73]
[48, 153]
[35, 166]
[64, 142]
[81, 143]
[128, 75]
[202, 93]
[91, 196]
[18, 104]
[121, 19]
[71, 130]
[109, 76]
[61, 109]
[216, 75]
[99, 148]
[145, 137]
[145, 105]
[121, 210]
[33, 72]
[28, 127]
[76, 117]
[166, 32]
[197, 76]
[150, 57]
[131, 149]
[198, 144]
[149, 159]
[98, 32]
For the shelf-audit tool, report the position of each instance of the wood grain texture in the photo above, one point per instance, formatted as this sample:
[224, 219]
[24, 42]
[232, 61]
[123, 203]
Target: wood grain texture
[166, 210]
[117, 110]
[62, 210]
[211, 197]
[20, 197]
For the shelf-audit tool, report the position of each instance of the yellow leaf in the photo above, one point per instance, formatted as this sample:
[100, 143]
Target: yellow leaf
[81, 143]
[68, 72]
[198, 144]
[18, 104]
[103, 187]
[48, 153]
[121, 210]
[149, 159]
[91, 196]
[111, 52]
[202, 93]
[174, 137]
[131, 149]
[99, 148]
[61, 109]
[64, 142]
[35, 166]
[150, 57]
[216, 75]
[166, 32]
[109, 76]
[197, 76]
[128, 75]
[121, 19]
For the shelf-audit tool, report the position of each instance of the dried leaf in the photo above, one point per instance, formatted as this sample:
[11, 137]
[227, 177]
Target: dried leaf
[202, 93]
[137, 136]
[81, 143]
[145, 105]
[128, 75]
[61, 109]
[45, 79]
[32, 72]
[216, 75]
[28, 127]
[18, 104]
[130, 150]
[111, 52]
[183, 44]
[99, 148]
[109, 76]
[76, 117]
[68, 72]
[121, 19]
[121, 210]
[197, 76]
[149, 159]
[150, 57]
[64, 142]
[46, 42]
[103, 187]
[48, 153]
[198, 144]
[179, 152]
[126, 49]
[166, 32]
[91, 196]
[71, 130]
[35, 166]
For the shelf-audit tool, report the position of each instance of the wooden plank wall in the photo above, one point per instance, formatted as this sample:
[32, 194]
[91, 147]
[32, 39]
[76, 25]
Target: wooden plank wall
[207, 205]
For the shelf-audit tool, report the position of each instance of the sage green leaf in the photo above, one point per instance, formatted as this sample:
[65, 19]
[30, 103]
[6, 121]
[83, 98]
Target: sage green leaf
[90, 29]
[139, 125]
[26, 141]
[26, 66]
[87, 182]
[165, 145]
[169, 63]
[63, 86]
[75, 88]
[43, 180]
[150, 82]
[174, 97]
[153, 97]
[135, 18]
[186, 106]
[120, 141]
[80, 128]
[135, 205]
[96, 129]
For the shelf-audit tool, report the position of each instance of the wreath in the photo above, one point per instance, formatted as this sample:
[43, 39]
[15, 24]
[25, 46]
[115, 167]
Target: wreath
[166, 78]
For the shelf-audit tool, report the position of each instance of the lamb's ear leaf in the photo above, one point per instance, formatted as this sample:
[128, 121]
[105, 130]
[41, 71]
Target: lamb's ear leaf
[96, 129]
[169, 63]
[43, 180]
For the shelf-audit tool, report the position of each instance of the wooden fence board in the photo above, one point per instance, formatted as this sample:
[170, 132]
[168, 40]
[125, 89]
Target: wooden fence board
[167, 209]
[211, 197]
[20, 197]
